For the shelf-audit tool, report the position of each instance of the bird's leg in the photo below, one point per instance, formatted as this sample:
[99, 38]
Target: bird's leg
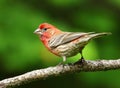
[64, 59]
[81, 60]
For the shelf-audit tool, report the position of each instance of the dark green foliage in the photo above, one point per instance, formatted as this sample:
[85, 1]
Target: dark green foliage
[21, 50]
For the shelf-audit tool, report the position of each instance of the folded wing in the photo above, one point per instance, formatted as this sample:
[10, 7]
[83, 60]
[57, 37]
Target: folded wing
[65, 38]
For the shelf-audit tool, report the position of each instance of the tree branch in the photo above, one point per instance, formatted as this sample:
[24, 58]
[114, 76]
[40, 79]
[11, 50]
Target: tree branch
[99, 65]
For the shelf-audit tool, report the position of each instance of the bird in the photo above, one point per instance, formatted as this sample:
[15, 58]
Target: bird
[65, 44]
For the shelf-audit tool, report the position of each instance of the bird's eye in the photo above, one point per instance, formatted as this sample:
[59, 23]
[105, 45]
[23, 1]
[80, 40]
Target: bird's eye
[44, 29]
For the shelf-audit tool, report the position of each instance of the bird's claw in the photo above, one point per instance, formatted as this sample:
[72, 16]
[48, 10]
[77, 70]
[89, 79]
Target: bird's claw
[80, 61]
[61, 63]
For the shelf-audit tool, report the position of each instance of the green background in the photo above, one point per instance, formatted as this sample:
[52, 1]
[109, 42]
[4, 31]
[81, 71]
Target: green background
[21, 51]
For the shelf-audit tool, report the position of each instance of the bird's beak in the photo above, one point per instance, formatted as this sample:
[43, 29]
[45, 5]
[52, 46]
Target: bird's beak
[38, 32]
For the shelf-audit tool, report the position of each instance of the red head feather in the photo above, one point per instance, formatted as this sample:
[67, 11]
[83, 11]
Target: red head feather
[46, 25]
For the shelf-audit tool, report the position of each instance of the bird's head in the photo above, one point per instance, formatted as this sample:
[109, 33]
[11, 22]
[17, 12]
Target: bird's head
[46, 30]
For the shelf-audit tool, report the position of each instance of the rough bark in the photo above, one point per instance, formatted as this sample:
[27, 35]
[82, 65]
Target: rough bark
[87, 66]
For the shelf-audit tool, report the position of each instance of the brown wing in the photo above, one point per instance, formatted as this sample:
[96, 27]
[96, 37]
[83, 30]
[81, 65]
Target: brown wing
[65, 38]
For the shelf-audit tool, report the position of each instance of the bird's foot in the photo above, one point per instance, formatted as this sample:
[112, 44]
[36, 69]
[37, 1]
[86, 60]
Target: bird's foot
[80, 61]
[61, 63]
[70, 64]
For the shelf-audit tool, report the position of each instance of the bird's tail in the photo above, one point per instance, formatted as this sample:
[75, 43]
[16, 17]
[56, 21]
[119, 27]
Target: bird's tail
[93, 35]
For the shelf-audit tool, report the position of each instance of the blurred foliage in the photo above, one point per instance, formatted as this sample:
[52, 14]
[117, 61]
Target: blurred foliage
[21, 51]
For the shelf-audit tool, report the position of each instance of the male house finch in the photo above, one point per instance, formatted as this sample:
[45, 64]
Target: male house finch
[64, 44]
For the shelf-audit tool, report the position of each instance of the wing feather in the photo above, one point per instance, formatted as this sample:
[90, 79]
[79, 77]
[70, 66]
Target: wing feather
[65, 38]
